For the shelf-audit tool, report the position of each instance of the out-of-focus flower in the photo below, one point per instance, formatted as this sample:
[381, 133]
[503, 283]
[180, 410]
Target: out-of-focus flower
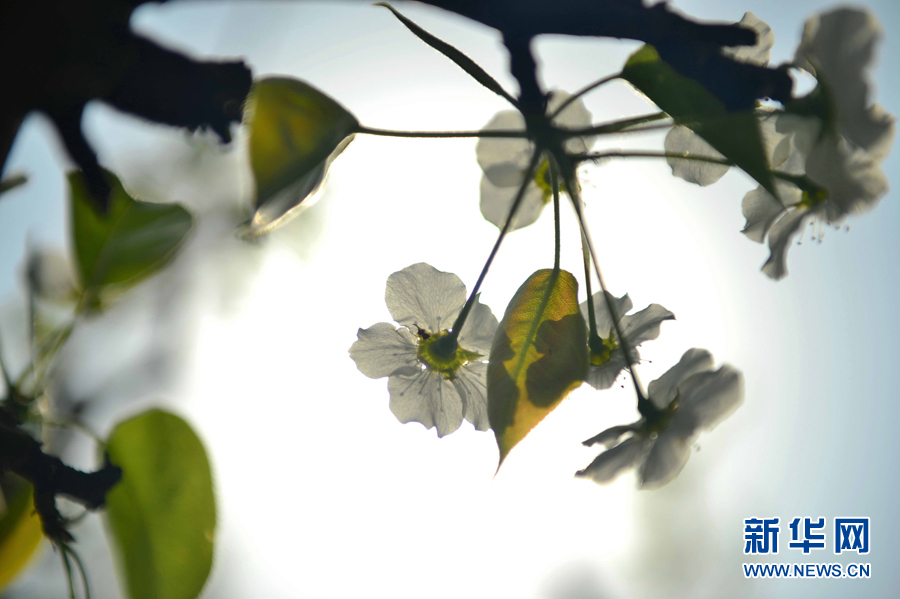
[433, 379]
[758, 53]
[835, 139]
[688, 398]
[837, 48]
[607, 358]
[50, 276]
[505, 160]
[849, 181]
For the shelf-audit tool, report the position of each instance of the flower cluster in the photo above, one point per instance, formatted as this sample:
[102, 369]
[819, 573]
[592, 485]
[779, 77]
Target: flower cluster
[825, 149]
[688, 398]
[505, 162]
[832, 138]
[824, 152]
[434, 377]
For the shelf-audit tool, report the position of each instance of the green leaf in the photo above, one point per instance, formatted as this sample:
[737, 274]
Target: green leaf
[539, 355]
[295, 133]
[460, 59]
[20, 528]
[735, 134]
[162, 513]
[131, 241]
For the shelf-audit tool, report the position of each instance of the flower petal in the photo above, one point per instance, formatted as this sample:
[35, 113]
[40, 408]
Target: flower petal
[666, 459]
[707, 398]
[612, 462]
[605, 325]
[471, 386]
[382, 349]
[603, 376]
[504, 159]
[50, 276]
[761, 209]
[777, 144]
[780, 236]
[477, 333]
[854, 178]
[805, 132]
[611, 436]
[426, 397]
[663, 390]
[838, 48]
[877, 130]
[644, 325]
[681, 140]
[421, 295]
[765, 39]
[496, 203]
[574, 116]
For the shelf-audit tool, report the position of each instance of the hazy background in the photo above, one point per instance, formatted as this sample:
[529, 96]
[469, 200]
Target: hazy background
[322, 493]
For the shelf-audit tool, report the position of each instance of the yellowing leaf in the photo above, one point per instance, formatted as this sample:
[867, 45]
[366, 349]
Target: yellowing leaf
[295, 133]
[162, 513]
[20, 528]
[539, 355]
[129, 242]
[734, 134]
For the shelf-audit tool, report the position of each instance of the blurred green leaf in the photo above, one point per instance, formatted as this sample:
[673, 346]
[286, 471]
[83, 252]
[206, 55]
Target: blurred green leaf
[295, 133]
[735, 134]
[132, 240]
[20, 528]
[461, 60]
[162, 513]
[539, 355]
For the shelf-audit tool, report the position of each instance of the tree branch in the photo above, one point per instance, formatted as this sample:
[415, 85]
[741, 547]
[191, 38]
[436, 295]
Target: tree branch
[22, 454]
[691, 48]
[60, 54]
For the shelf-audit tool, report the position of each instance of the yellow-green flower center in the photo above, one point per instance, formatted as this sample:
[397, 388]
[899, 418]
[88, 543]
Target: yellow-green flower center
[441, 353]
[661, 418]
[812, 197]
[602, 348]
[543, 180]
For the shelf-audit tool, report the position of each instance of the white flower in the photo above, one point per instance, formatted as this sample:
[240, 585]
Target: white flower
[851, 182]
[688, 398]
[758, 53]
[433, 379]
[838, 144]
[607, 359]
[505, 160]
[50, 276]
[837, 48]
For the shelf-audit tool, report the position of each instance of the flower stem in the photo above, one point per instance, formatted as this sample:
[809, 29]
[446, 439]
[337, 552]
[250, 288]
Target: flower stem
[554, 183]
[620, 126]
[653, 154]
[588, 88]
[10, 387]
[529, 173]
[568, 168]
[592, 317]
[442, 134]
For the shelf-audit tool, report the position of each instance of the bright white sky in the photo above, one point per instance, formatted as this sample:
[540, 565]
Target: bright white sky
[322, 492]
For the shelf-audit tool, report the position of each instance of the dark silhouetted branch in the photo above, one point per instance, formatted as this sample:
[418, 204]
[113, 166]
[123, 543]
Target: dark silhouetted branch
[22, 454]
